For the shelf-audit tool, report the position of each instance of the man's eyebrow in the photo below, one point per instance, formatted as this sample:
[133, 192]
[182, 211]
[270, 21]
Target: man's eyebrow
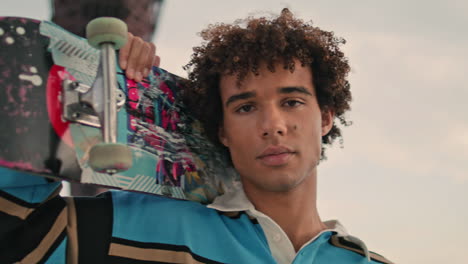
[293, 89]
[241, 96]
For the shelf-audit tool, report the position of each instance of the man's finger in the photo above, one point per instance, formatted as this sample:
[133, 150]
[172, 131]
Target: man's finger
[141, 62]
[134, 56]
[157, 61]
[149, 59]
[124, 52]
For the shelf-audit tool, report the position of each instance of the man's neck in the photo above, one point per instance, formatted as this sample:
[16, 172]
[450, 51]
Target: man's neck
[295, 211]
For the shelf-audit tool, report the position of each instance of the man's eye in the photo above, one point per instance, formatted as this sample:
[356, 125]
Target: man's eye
[244, 109]
[293, 103]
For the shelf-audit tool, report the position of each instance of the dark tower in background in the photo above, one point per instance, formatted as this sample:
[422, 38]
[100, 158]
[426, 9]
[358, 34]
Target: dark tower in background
[141, 17]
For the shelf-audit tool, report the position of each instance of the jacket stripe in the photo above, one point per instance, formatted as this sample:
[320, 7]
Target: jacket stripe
[53, 247]
[20, 238]
[56, 230]
[336, 241]
[151, 254]
[15, 209]
[155, 252]
[14, 206]
[72, 246]
[16, 200]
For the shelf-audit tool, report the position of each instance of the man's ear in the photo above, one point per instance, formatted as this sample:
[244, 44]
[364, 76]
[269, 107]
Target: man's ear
[327, 121]
[222, 136]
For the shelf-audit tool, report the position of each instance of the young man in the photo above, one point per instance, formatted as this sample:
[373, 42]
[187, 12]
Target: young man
[270, 91]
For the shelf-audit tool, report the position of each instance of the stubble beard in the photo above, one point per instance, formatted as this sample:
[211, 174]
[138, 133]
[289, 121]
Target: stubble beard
[278, 185]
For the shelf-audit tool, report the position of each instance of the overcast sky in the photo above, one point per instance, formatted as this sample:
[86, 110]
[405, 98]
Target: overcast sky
[400, 182]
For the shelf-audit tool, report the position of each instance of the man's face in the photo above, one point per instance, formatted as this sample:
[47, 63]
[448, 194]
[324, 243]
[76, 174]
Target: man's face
[273, 126]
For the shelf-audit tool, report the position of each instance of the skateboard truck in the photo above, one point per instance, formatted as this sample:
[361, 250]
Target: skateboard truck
[98, 105]
[78, 104]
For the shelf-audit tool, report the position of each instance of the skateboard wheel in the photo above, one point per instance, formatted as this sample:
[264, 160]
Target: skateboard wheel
[106, 30]
[110, 158]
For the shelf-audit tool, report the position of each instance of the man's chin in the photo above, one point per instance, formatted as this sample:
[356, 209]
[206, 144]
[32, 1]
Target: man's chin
[279, 186]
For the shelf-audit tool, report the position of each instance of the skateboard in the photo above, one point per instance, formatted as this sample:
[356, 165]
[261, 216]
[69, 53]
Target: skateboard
[69, 112]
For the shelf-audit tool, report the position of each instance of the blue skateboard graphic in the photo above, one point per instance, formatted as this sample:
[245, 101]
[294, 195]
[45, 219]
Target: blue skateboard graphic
[170, 154]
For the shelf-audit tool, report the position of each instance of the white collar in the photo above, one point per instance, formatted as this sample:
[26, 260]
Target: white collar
[235, 200]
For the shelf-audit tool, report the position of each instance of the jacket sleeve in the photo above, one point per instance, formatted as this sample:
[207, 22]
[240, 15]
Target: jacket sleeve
[33, 219]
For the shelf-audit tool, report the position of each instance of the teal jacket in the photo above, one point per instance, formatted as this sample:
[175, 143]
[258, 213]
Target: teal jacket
[37, 225]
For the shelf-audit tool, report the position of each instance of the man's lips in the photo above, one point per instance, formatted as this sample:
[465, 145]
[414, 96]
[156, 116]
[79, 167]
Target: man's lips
[276, 155]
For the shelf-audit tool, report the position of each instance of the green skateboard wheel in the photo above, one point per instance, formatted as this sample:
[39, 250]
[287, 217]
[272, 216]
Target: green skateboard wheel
[110, 158]
[106, 30]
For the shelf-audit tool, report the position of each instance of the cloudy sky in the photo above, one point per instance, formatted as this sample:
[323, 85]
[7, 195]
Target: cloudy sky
[400, 182]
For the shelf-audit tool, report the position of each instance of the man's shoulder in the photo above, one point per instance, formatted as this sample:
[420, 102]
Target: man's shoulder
[353, 247]
[123, 200]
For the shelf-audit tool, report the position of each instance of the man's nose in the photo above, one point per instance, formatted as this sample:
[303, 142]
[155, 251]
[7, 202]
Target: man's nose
[272, 122]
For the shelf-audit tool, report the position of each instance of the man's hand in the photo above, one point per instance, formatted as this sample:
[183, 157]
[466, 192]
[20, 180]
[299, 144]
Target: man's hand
[137, 57]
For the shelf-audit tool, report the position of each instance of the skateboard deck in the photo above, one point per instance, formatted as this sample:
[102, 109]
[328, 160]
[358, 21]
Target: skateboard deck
[171, 156]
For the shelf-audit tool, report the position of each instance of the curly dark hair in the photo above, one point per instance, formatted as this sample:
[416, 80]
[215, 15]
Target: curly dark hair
[240, 48]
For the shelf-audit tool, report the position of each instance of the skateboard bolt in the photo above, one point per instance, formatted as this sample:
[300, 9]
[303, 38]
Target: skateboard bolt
[111, 171]
[74, 85]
